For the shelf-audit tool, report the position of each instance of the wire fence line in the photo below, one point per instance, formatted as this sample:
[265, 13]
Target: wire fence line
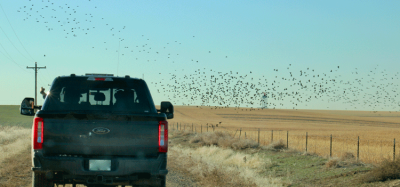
[333, 145]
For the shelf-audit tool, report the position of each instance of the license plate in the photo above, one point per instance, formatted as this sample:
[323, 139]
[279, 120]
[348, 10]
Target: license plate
[100, 165]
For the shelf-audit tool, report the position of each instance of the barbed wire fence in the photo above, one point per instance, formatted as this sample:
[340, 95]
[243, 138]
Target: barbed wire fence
[333, 145]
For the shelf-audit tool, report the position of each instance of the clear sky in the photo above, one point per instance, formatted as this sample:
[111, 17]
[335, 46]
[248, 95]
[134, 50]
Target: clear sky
[177, 38]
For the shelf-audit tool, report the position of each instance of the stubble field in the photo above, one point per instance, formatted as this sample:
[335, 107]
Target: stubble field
[376, 130]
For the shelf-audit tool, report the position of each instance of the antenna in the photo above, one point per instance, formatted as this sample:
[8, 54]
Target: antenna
[264, 101]
[119, 45]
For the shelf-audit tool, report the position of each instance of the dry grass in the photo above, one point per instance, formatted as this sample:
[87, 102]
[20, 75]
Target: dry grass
[16, 171]
[13, 140]
[15, 156]
[217, 162]
[347, 156]
[387, 170]
[332, 163]
[223, 166]
[223, 139]
[375, 129]
[278, 145]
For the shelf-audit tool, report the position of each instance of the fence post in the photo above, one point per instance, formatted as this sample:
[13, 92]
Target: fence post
[207, 127]
[184, 127]
[192, 127]
[287, 139]
[272, 136]
[394, 149]
[258, 136]
[245, 137]
[180, 126]
[306, 140]
[358, 148]
[330, 151]
[240, 133]
[177, 128]
[201, 129]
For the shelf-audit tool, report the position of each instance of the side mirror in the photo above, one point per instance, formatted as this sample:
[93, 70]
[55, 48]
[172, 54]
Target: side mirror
[168, 109]
[27, 107]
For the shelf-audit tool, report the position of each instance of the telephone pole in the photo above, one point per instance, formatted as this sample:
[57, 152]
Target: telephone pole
[36, 70]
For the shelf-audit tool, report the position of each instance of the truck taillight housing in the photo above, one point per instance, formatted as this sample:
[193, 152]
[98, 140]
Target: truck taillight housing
[37, 133]
[163, 136]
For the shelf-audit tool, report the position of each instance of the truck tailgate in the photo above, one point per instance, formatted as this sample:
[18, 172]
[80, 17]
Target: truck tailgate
[89, 137]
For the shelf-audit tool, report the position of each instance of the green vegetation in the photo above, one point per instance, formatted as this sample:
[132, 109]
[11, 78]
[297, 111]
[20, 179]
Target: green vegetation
[302, 169]
[10, 116]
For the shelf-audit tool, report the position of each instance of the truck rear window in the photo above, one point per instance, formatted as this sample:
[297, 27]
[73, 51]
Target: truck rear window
[79, 93]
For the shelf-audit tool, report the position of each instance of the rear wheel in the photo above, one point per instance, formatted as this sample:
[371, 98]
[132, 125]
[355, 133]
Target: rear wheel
[163, 181]
[39, 180]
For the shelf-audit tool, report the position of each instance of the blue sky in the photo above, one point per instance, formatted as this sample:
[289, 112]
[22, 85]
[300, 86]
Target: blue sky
[240, 36]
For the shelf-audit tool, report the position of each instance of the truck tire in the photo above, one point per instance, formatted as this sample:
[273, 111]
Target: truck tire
[163, 181]
[39, 180]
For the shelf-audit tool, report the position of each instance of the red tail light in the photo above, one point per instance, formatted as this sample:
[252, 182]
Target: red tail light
[37, 133]
[99, 79]
[163, 136]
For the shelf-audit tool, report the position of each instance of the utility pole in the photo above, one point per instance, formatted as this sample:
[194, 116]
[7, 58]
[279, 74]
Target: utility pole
[35, 68]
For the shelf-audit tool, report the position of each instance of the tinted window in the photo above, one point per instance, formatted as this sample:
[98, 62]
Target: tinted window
[79, 93]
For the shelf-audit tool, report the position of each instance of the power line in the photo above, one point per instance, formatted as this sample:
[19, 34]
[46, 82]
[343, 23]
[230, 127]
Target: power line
[49, 77]
[13, 43]
[5, 54]
[16, 33]
[10, 58]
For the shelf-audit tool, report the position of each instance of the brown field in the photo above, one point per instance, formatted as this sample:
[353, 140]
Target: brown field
[376, 130]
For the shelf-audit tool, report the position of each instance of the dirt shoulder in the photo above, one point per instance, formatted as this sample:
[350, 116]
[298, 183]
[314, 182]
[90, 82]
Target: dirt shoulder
[16, 171]
[177, 177]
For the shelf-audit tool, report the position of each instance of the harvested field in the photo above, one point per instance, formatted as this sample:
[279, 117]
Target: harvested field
[376, 130]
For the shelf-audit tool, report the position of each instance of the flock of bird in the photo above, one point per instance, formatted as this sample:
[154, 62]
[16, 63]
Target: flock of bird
[75, 20]
[374, 90]
[291, 87]
[63, 15]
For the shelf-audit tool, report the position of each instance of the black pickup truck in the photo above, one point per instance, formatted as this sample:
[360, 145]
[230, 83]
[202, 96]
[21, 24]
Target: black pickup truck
[99, 130]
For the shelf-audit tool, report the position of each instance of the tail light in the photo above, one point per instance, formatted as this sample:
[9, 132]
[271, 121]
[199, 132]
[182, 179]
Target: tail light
[163, 136]
[37, 133]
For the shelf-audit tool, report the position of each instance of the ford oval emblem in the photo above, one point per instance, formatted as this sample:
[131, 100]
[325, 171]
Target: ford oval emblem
[100, 130]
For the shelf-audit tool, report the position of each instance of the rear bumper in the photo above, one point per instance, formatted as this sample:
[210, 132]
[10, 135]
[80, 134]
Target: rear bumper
[120, 166]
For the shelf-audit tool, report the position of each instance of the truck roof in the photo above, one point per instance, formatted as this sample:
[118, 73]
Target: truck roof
[100, 75]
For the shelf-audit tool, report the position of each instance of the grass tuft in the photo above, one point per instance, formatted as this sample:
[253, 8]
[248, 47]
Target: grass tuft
[387, 170]
[332, 163]
[347, 156]
[278, 145]
[222, 139]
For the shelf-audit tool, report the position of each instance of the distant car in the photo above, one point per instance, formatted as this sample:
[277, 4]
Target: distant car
[100, 130]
